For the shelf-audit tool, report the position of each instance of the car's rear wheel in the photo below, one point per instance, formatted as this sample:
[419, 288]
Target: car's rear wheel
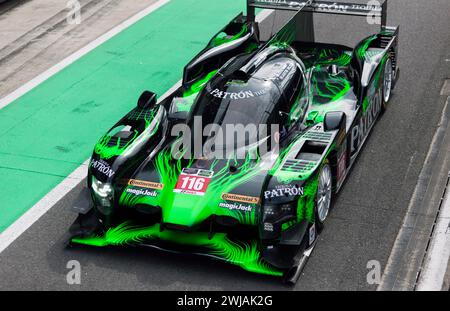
[387, 81]
[323, 197]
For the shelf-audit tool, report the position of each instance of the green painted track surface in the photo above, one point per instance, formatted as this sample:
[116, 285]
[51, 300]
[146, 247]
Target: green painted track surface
[50, 131]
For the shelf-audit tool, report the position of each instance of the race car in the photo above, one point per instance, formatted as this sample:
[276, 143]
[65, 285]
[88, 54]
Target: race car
[259, 202]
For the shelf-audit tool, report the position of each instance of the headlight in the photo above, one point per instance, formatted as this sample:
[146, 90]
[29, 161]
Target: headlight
[104, 193]
[103, 190]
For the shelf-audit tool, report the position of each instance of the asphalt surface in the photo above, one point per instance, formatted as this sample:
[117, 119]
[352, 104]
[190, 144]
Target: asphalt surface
[363, 225]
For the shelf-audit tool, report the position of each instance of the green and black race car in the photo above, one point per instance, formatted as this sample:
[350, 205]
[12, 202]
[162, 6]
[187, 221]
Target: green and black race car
[259, 208]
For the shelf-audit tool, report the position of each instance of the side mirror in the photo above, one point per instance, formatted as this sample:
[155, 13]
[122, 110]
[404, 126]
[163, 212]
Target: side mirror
[334, 120]
[147, 100]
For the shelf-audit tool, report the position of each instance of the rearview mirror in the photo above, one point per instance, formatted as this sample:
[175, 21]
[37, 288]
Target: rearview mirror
[334, 120]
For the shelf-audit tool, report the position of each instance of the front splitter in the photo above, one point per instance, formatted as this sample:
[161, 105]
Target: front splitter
[244, 254]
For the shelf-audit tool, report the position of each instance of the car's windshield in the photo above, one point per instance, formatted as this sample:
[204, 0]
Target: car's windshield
[235, 113]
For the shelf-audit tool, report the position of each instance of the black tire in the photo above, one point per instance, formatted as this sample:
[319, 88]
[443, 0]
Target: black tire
[388, 80]
[324, 195]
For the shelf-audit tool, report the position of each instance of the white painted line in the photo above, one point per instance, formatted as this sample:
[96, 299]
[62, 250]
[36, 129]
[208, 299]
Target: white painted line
[397, 249]
[40, 208]
[445, 91]
[8, 236]
[5, 101]
[34, 213]
[436, 262]
[46, 203]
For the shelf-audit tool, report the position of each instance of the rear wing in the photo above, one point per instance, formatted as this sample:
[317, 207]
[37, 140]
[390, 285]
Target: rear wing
[387, 39]
[377, 10]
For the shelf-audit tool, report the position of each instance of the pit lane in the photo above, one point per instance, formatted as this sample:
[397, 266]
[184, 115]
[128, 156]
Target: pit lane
[362, 227]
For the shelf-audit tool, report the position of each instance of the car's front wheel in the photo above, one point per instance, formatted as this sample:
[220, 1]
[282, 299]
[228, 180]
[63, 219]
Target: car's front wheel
[323, 197]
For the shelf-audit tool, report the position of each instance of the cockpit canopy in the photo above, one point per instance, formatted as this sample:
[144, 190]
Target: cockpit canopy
[262, 101]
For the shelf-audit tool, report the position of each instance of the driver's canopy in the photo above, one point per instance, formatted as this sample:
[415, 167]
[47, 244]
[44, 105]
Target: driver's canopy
[239, 112]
